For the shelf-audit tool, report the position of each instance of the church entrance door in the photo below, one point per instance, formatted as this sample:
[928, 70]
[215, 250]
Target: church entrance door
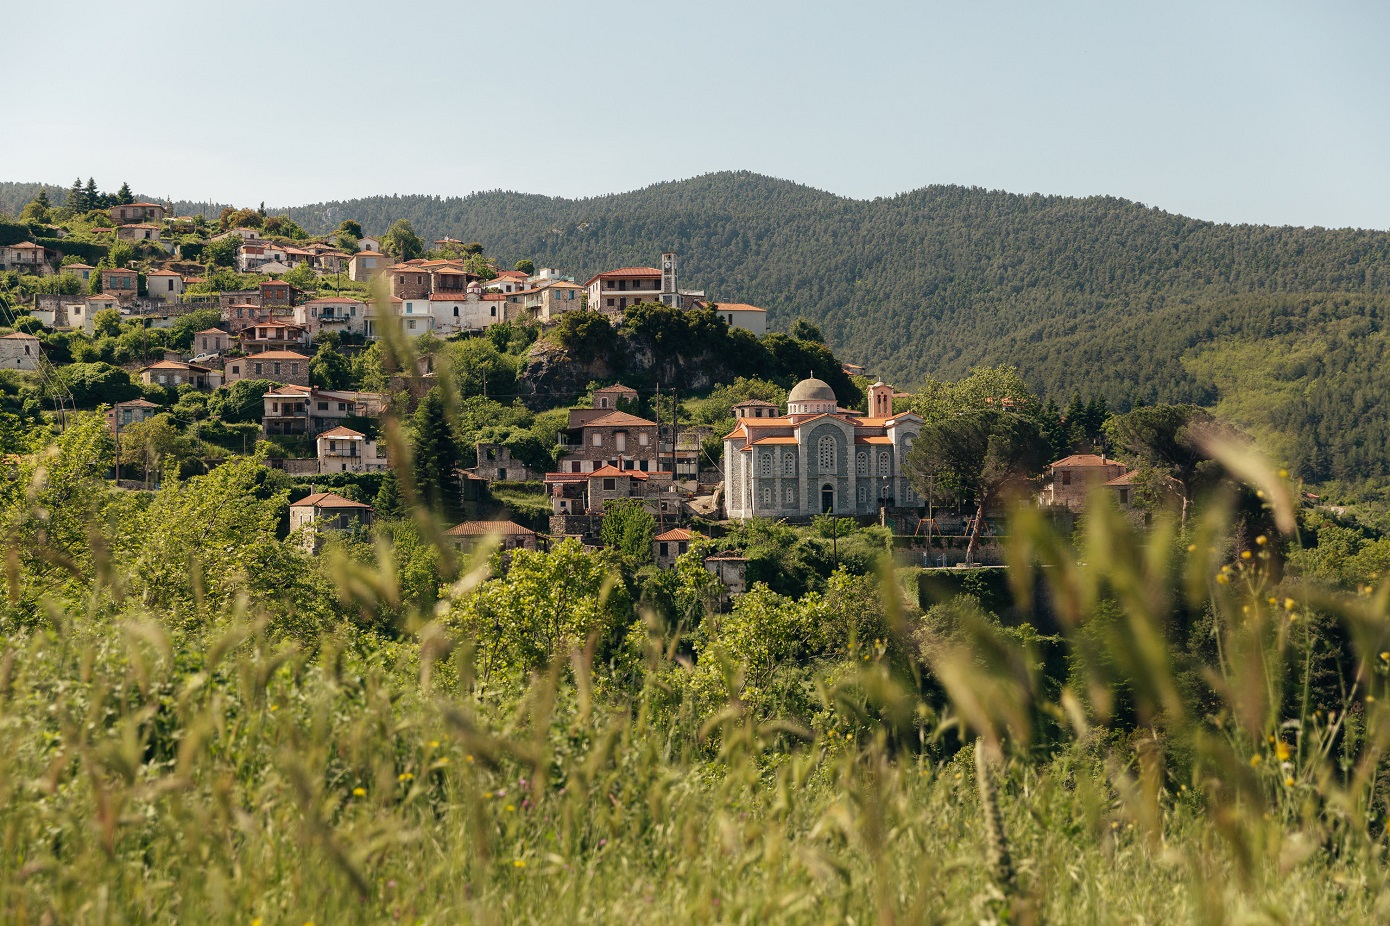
[827, 498]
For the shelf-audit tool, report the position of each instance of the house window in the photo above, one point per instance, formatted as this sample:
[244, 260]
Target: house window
[610, 485]
[410, 324]
[610, 303]
[642, 439]
[1066, 477]
[259, 369]
[1124, 496]
[277, 368]
[765, 464]
[664, 549]
[494, 311]
[294, 369]
[323, 406]
[456, 311]
[598, 440]
[825, 454]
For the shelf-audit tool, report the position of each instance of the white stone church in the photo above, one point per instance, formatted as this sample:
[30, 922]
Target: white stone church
[817, 458]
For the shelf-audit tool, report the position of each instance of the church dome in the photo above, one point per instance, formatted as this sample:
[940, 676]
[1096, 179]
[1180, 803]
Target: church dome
[812, 390]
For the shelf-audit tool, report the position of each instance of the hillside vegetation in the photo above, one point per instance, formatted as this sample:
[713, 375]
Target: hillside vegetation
[1097, 295]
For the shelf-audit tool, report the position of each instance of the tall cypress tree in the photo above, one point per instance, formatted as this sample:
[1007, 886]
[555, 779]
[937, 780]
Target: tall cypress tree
[436, 455]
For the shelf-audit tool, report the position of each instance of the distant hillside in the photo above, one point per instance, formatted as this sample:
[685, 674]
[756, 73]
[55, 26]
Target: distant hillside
[1099, 295]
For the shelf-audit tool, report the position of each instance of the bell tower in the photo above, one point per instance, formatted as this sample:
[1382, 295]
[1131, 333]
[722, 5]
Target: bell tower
[880, 400]
[670, 295]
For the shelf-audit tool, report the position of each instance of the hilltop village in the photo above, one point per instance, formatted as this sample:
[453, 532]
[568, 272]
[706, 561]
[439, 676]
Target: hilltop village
[201, 340]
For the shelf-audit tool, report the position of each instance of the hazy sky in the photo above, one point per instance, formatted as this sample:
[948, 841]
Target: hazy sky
[1258, 112]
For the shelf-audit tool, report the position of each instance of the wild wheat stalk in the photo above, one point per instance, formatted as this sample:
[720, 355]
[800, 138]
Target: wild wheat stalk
[1001, 865]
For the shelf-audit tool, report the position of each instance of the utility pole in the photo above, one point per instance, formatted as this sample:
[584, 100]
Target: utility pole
[658, 426]
[675, 430]
[117, 412]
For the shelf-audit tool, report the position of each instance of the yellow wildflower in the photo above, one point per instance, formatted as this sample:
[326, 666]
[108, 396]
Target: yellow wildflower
[1288, 604]
[359, 792]
[1223, 579]
[519, 863]
[1256, 760]
[1288, 782]
[405, 776]
[1385, 656]
[1192, 548]
[1283, 474]
[1281, 751]
[1244, 554]
[1261, 540]
[434, 744]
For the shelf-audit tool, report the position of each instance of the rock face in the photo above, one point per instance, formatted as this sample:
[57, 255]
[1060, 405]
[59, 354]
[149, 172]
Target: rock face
[552, 371]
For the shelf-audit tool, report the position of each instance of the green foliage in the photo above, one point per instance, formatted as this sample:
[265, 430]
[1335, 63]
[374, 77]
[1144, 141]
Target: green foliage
[401, 242]
[329, 369]
[241, 401]
[93, 384]
[435, 455]
[107, 323]
[802, 330]
[628, 528]
[544, 605]
[222, 252]
[525, 266]
[586, 335]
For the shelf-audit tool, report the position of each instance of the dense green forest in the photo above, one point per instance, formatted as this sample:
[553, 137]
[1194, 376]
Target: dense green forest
[1279, 327]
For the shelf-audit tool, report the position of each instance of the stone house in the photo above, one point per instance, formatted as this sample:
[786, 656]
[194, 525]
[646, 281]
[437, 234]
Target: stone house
[272, 336]
[614, 290]
[174, 373]
[210, 341]
[545, 302]
[54, 309]
[142, 231]
[818, 458]
[24, 257]
[83, 272]
[668, 545]
[124, 414]
[20, 351]
[122, 283]
[467, 537]
[368, 243]
[732, 571]
[1070, 480]
[277, 292]
[324, 513]
[306, 410]
[366, 264]
[164, 285]
[615, 438]
[332, 313]
[610, 484]
[407, 281]
[281, 366]
[495, 462]
[133, 213]
[84, 315]
[741, 315]
[343, 450]
[256, 256]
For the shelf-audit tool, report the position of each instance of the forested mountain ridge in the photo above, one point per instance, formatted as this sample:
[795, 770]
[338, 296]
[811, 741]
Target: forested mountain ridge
[1097, 295]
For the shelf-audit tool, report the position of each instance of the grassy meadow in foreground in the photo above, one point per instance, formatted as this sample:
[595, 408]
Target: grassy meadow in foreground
[247, 734]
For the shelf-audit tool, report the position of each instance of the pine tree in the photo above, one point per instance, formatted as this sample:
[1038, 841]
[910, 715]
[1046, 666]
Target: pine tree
[76, 198]
[389, 503]
[436, 454]
[123, 196]
[42, 198]
[91, 196]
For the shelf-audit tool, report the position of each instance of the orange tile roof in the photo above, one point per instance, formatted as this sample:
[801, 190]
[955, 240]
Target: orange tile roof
[678, 533]
[623, 273]
[617, 420]
[1126, 480]
[327, 500]
[736, 307]
[276, 355]
[341, 431]
[1086, 459]
[162, 273]
[487, 528]
[774, 440]
[875, 439]
[610, 470]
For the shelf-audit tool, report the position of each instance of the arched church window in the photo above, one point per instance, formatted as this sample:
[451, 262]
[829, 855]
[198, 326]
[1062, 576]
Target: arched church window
[861, 464]
[825, 454]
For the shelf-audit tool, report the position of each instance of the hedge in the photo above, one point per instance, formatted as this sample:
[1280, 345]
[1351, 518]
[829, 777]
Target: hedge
[90, 253]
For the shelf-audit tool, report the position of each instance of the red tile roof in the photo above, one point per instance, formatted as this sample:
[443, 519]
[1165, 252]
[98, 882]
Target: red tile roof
[328, 500]
[487, 528]
[611, 470]
[623, 273]
[1085, 459]
[617, 420]
[276, 355]
[679, 533]
[736, 307]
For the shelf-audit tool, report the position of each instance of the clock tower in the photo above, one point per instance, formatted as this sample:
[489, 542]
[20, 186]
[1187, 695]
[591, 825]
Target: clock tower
[669, 294]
